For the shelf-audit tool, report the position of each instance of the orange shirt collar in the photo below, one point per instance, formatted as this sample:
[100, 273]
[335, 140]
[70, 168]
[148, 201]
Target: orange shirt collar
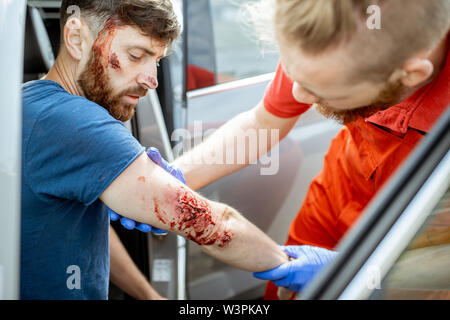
[421, 110]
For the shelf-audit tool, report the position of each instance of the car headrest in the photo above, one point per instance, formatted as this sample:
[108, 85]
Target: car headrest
[38, 56]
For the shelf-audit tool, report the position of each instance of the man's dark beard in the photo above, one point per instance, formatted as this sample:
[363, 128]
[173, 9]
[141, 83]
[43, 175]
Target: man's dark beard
[387, 98]
[95, 83]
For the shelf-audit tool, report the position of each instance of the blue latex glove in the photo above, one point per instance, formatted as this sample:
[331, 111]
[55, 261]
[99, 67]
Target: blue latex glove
[296, 274]
[129, 224]
[154, 154]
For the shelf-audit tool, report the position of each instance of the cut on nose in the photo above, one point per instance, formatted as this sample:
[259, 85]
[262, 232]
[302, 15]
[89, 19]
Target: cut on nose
[149, 82]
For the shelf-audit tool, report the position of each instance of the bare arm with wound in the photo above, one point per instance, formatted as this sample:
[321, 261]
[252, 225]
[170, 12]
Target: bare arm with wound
[146, 193]
[199, 174]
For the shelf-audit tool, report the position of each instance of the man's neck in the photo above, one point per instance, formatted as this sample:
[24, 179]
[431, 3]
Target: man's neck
[64, 73]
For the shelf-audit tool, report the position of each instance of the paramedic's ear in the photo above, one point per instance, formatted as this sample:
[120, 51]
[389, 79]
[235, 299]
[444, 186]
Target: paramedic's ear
[73, 38]
[417, 71]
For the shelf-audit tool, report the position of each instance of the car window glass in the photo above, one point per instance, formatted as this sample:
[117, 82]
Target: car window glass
[423, 269]
[222, 45]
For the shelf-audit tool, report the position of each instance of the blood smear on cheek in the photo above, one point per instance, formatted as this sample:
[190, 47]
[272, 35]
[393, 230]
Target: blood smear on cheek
[114, 61]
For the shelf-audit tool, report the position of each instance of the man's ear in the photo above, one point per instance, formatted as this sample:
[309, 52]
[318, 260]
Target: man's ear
[72, 38]
[417, 71]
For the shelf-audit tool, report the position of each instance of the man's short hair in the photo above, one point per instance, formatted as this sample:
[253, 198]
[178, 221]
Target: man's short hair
[407, 27]
[154, 18]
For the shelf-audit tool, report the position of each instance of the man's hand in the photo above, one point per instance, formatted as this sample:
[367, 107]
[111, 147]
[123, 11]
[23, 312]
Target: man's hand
[129, 224]
[296, 274]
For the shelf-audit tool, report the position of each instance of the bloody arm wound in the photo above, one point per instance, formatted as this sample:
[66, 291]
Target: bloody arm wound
[146, 193]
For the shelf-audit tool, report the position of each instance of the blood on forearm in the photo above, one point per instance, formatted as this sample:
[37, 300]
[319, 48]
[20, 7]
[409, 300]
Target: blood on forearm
[194, 218]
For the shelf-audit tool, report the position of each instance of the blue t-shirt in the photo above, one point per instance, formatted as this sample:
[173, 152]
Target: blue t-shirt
[72, 150]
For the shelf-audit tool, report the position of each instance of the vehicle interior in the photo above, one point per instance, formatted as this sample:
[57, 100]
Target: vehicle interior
[176, 268]
[404, 245]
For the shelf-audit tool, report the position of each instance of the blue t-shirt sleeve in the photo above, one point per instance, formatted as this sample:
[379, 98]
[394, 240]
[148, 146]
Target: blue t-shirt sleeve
[76, 150]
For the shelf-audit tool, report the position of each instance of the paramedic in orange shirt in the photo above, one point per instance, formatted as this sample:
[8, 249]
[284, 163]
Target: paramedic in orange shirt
[388, 86]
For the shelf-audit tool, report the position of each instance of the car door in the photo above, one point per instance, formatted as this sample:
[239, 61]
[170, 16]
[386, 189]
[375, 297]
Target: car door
[400, 247]
[12, 30]
[227, 73]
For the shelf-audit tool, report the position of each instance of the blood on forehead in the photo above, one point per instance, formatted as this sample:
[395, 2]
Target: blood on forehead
[101, 56]
[102, 45]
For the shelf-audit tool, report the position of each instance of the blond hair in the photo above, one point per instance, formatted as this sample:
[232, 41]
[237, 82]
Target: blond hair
[408, 27]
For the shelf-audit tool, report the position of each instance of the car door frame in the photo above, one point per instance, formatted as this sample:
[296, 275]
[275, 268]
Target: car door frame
[395, 214]
[12, 35]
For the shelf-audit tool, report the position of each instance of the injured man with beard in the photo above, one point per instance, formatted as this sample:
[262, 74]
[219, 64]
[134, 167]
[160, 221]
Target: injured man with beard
[79, 160]
[109, 66]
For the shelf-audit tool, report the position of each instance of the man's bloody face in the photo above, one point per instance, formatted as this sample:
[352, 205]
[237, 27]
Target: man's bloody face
[122, 68]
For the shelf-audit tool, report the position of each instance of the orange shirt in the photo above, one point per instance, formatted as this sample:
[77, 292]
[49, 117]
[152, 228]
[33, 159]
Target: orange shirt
[360, 159]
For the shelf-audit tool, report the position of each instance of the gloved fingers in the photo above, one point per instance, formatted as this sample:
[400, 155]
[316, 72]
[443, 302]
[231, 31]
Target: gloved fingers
[144, 227]
[128, 223]
[289, 284]
[154, 154]
[156, 157]
[292, 251]
[180, 175]
[176, 172]
[284, 282]
[273, 274]
[147, 228]
[113, 216]
[158, 231]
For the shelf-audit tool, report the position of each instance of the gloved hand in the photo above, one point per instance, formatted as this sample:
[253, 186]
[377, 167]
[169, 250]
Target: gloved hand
[129, 224]
[154, 154]
[294, 275]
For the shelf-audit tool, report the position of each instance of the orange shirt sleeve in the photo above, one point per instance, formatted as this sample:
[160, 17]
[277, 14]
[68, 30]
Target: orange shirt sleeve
[278, 99]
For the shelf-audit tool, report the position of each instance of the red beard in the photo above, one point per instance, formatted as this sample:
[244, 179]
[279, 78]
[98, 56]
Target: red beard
[387, 98]
[95, 81]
